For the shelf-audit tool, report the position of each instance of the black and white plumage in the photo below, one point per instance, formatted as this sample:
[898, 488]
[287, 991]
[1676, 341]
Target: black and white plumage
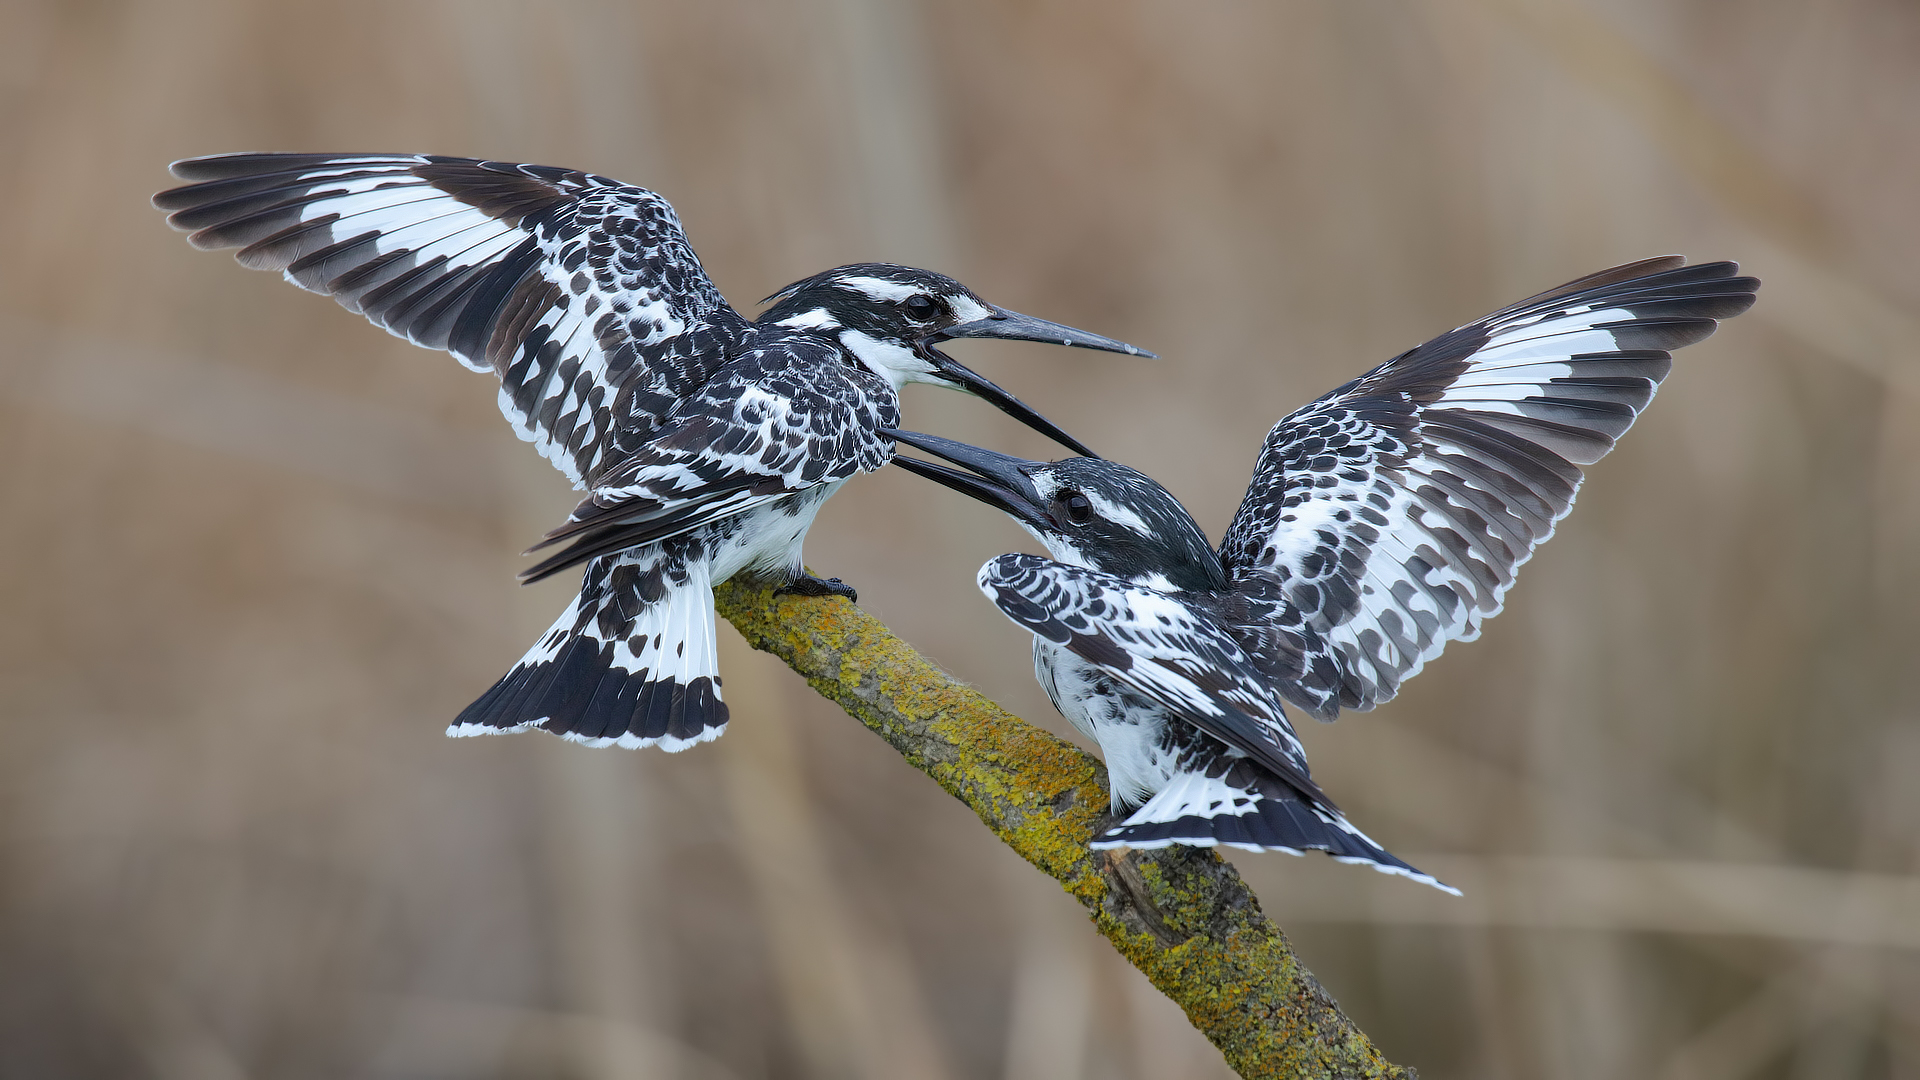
[1383, 520]
[706, 442]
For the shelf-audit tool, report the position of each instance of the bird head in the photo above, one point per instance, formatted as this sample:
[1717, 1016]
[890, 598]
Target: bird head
[1087, 511]
[890, 318]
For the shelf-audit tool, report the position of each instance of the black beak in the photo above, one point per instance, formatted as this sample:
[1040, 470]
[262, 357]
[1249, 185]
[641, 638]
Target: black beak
[998, 480]
[954, 372]
[1013, 326]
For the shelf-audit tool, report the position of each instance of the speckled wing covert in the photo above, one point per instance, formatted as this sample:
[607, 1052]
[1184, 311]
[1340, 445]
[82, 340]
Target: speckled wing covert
[1389, 517]
[784, 418]
[1159, 647]
[1181, 660]
[581, 293]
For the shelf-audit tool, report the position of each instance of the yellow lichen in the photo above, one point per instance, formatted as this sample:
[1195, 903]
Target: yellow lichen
[1223, 962]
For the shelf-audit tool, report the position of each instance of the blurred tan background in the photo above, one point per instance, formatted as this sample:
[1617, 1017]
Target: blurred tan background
[257, 553]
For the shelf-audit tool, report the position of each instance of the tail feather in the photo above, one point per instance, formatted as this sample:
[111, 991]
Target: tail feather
[632, 662]
[1247, 807]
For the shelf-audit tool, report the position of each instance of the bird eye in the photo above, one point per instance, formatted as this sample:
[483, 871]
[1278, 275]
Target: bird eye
[1075, 506]
[921, 306]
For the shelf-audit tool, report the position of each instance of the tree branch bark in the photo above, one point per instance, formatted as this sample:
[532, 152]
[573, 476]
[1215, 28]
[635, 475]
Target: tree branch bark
[1180, 915]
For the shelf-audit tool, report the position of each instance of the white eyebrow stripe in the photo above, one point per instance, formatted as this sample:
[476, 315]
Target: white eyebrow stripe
[818, 317]
[881, 288]
[966, 310]
[1114, 512]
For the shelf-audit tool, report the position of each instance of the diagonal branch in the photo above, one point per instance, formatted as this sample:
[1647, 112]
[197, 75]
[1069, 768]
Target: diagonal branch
[1180, 915]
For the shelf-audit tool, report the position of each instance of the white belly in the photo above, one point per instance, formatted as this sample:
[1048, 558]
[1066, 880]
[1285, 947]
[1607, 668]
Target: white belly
[1128, 728]
[766, 541]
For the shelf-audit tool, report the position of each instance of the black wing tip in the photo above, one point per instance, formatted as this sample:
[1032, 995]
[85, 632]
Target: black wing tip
[251, 162]
[214, 175]
[1719, 277]
[590, 540]
[548, 567]
[1653, 273]
[1737, 301]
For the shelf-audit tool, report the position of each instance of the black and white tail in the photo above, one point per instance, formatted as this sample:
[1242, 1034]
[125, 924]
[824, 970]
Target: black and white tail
[1243, 805]
[632, 662]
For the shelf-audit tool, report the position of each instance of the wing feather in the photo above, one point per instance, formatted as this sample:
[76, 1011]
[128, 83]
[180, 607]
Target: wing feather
[785, 419]
[1174, 654]
[569, 286]
[1391, 516]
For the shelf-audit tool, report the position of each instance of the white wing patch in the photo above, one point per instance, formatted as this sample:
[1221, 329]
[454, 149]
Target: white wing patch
[569, 286]
[1391, 516]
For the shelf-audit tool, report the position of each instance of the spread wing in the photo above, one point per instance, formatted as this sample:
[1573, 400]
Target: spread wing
[789, 417]
[1160, 647]
[1388, 517]
[579, 292]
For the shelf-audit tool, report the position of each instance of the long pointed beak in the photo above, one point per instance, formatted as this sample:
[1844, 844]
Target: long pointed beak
[973, 383]
[1013, 326]
[998, 480]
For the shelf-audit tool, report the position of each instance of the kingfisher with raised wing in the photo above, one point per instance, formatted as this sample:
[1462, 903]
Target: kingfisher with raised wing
[705, 441]
[1383, 520]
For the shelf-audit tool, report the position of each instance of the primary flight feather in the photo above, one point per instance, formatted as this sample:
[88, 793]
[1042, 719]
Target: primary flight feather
[1383, 520]
[705, 441]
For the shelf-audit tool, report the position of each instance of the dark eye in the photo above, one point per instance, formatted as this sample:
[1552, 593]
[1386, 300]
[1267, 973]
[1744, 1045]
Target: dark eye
[921, 306]
[1074, 506]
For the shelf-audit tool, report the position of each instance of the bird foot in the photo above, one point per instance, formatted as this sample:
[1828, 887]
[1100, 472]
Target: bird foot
[808, 585]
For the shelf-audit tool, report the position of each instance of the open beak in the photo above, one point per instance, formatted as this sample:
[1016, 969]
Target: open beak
[998, 480]
[1013, 326]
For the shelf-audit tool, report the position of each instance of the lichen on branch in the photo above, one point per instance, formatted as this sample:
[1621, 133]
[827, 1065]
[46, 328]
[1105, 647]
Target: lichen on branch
[1180, 915]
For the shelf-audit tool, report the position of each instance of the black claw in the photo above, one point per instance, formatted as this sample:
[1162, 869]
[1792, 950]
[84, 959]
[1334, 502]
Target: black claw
[808, 585]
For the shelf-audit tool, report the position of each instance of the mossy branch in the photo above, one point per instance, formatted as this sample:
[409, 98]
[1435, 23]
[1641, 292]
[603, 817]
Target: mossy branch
[1181, 915]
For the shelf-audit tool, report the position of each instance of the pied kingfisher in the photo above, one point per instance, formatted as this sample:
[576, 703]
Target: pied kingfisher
[1383, 520]
[706, 442]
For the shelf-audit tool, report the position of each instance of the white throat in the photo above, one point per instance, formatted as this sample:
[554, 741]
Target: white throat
[890, 360]
[1058, 547]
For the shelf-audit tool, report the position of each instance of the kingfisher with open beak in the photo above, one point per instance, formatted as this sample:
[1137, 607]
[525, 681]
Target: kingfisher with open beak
[705, 441]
